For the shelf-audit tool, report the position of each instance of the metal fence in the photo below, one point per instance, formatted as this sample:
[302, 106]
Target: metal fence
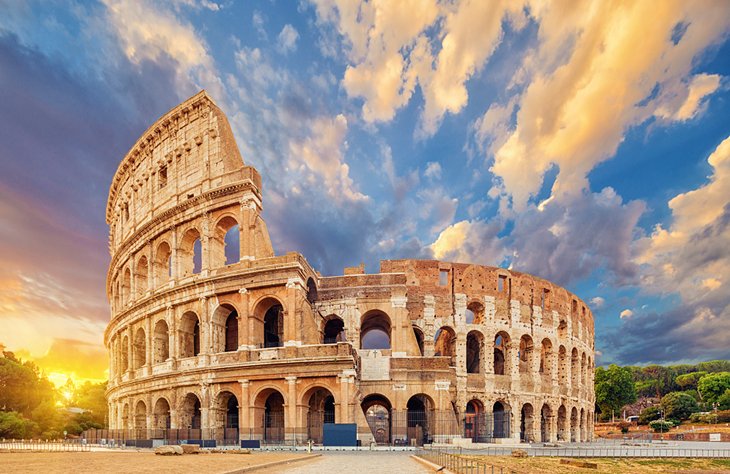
[461, 464]
[591, 451]
[38, 445]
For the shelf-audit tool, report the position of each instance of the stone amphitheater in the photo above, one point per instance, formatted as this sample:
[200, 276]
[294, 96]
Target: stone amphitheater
[213, 336]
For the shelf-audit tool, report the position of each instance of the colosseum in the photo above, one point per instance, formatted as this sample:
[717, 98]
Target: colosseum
[215, 337]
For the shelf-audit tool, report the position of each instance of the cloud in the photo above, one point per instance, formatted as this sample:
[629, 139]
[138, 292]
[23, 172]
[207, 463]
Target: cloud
[258, 21]
[625, 314]
[433, 170]
[586, 83]
[287, 40]
[597, 302]
[470, 242]
[695, 95]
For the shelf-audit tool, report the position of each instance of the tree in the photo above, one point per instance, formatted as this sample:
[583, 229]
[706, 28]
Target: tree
[723, 402]
[614, 388]
[92, 397]
[689, 381]
[713, 386]
[649, 414]
[14, 425]
[678, 405]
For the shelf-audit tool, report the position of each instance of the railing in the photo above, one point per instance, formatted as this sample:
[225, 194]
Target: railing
[461, 464]
[38, 445]
[593, 451]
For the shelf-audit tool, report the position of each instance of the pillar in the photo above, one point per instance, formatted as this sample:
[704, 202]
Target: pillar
[244, 410]
[292, 335]
[290, 423]
[243, 334]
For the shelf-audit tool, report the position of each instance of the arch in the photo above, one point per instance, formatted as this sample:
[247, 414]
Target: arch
[583, 430]
[562, 328]
[546, 354]
[546, 415]
[126, 287]
[527, 422]
[574, 368]
[189, 334]
[501, 351]
[226, 422]
[160, 342]
[269, 403]
[125, 354]
[445, 342]
[475, 422]
[311, 290]
[563, 434]
[375, 330]
[320, 403]
[161, 414]
[115, 293]
[475, 313]
[334, 330]
[190, 253]
[140, 416]
[583, 369]
[377, 410]
[190, 412]
[419, 409]
[162, 266]
[225, 327]
[225, 244]
[501, 417]
[418, 334]
[269, 328]
[574, 425]
[526, 354]
[474, 352]
[141, 274]
[139, 349]
[125, 417]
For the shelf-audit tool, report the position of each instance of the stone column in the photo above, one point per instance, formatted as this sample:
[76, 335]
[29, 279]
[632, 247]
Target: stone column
[344, 416]
[429, 313]
[291, 325]
[130, 344]
[291, 409]
[399, 323]
[148, 348]
[244, 410]
[243, 315]
[174, 263]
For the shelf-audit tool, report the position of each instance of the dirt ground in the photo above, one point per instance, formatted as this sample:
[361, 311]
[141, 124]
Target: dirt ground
[133, 462]
[535, 465]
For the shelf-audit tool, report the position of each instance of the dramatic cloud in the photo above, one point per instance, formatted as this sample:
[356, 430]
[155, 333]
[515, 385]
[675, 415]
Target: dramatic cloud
[625, 314]
[287, 39]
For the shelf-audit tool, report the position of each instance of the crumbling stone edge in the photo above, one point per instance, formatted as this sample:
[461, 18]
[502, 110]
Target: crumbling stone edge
[272, 464]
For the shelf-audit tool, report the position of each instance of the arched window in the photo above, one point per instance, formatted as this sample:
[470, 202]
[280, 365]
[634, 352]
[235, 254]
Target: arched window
[375, 330]
[225, 244]
[190, 253]
[232, 332]
[475, 313]
[126, 287]
[161, 342]
[334, 330]
[445, 342]
[501, 348]
[474, 351]
[139, 350]
[189, 335]
[274, 326]
[163, 264]
[419, 339]
[140, 276]
[526, 353]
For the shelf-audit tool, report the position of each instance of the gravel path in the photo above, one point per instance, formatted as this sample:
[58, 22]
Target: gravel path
[359, 463]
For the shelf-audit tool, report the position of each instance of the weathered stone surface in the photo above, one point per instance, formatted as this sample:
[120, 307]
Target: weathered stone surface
[168, 450]
[519, 453]
[208, 325]
[190, 448]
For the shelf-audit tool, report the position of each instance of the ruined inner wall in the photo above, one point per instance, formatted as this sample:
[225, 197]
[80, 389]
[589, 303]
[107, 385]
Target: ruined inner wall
[201, 331]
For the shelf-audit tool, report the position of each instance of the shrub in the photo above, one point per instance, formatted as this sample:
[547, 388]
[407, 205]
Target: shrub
[649, 414]
[723, 403]
[723, 416]
[703, 418]
[624, 425]
[678, 405]
[660, 426]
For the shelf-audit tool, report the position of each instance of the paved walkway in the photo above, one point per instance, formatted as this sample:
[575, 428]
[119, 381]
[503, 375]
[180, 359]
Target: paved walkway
[359, 462]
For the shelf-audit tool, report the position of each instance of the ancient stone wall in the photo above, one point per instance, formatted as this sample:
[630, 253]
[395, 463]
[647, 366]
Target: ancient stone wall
[211, 331]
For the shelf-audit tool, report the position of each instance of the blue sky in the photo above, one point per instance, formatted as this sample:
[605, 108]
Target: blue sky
[587, 145]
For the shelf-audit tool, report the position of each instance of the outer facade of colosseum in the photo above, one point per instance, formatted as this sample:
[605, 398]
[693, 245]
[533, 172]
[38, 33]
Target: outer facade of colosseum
[211, 331]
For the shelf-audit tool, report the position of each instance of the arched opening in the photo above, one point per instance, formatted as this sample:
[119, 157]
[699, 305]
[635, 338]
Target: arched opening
[161, 342]
[225, 328]
[546, 415]
[226, 422]
[418, 418]
[190, 253]
[225, 248]
[527, 419]
[140, 419]
[573, 425]
[501, 347]
[500, 415]
[377, 413]
[419, 339]
[375, 330]
[116, 290]
[475, 422]
[273, 422]
[546, 353]
[140, 276]
[445, 343]
[583, 368]
[311, 291]
[320, 410]
[190, 414]
[126, 287]
[189, 335]
[334, 330]
[582, 425]
[475, 313]
[274, 326]
[574, 368]
[125, 354]
[562, 328]
[139, 350]
[161, 414]
[563, 434]
[163, 264]
[525, 355]
[474, 351]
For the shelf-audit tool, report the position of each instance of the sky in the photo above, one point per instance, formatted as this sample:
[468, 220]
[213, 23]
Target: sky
[586, 143]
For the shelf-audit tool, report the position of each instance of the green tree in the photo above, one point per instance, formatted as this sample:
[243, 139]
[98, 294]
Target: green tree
[92, 397]
[614, 388]
[14, 425]
[689, 381]
[723, 402]
[649, 414]
[678, 405]
[713, 386]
